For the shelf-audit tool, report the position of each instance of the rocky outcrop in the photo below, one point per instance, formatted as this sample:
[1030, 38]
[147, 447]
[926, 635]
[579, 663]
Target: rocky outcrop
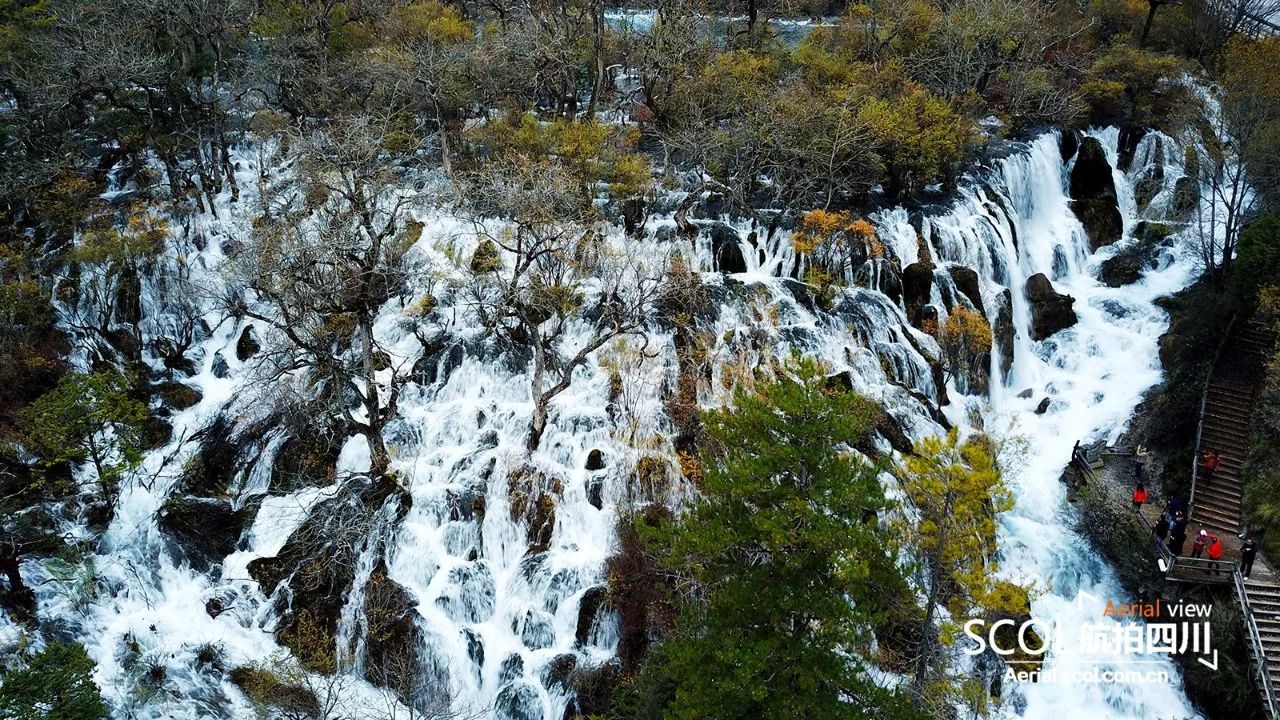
[393, 637]
[1093, 194]
[206, 530]
[917, 287]
[318, 563]
[1051, 310]
[726, 251]
[966, 281]
[1002, 331]
[1126, 266]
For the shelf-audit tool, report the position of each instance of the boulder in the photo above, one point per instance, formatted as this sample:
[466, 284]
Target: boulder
[595, 460]
[176, 395]
[966, 281]
[1126, 266]
[1043, 407]
[917, 287]
[1093, 193]
[247, 346]
[1068, 144]
[589, 607]
[1002, 331]
[726, 251]
[1051, 310]
[206, 529]
[220, 368]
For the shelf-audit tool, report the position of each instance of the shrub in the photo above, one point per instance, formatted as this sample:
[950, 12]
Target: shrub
[56, 684]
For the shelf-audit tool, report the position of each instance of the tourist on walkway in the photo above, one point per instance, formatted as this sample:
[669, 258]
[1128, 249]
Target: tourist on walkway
[1200, 543]
[1179, 523]
[1214, 551]
[1162, 526]
[1177, 538]
[1212, 461]
[1139, 496]
[1248, 552]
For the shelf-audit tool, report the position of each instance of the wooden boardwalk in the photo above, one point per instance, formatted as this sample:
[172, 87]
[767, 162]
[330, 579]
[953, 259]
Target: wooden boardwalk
[1216, 503]
[1226, 417]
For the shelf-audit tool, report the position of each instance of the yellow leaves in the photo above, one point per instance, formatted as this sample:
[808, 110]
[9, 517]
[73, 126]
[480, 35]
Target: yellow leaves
[141, 234]
[593, 152]
[966, 332]
[957, 490]
[690, 467]
[431, 21]
[1249, 68]
[818, 228]
[630, 176]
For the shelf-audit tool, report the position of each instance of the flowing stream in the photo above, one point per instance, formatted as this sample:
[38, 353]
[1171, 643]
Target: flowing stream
[500, 623]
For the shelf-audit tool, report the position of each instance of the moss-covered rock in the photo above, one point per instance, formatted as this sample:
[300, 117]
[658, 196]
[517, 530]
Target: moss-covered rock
[206, 530]
[1051, 310]
[267, 688]
[1126, 266]
[176, 395]
[393, 637]
[318, 562]
[533, 497]
[1093, 193]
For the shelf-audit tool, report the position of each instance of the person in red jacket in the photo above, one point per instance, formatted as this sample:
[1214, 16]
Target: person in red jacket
[1139, 496]
[1215, 550]
[1200, 543]
[1212, 461]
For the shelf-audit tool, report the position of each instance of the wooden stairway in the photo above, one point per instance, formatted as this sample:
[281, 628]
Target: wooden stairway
[1227, 415]
[1225, 426]
[1263, 594]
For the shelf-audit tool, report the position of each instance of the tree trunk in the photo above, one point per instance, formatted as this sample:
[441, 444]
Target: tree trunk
[540, 401]
[597, 21]
[1152, 6]
[379, 458]
[539, 424]
[11, 569]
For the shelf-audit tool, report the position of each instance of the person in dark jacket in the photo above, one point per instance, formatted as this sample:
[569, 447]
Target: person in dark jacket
[1177, 538]
[1161, 528]
[1248, 552]
[1179, 523]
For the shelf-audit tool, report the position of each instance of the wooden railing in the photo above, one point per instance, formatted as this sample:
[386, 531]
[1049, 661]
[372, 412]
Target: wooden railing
[1255, 642]
[1204, 403]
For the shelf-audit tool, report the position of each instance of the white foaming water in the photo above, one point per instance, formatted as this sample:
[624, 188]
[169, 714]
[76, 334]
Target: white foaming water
[501, 622]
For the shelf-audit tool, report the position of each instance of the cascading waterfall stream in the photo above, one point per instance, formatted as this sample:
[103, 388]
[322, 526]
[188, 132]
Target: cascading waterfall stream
[501, 624]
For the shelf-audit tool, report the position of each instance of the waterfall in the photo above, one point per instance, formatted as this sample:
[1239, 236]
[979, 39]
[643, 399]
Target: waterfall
[500, 619]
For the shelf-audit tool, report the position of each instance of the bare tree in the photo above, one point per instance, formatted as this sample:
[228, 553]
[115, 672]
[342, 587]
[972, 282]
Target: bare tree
[539, 259]
[329, 254]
